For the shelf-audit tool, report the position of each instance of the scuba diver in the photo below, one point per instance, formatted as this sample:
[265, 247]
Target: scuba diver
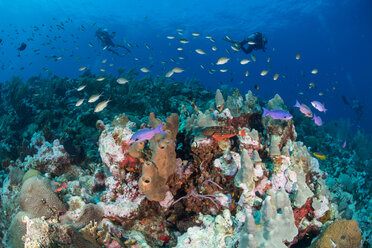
[107, 43]
[356, 106]
[254, 41]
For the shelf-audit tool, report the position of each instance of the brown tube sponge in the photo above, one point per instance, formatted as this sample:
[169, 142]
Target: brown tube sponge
[151, 183]
[135, 149]
[155, 173]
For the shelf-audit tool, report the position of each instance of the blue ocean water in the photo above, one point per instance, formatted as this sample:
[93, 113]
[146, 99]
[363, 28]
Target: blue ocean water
[333, 37]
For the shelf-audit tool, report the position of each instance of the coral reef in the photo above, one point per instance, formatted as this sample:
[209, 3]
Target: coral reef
[50, 158]
[219, 174]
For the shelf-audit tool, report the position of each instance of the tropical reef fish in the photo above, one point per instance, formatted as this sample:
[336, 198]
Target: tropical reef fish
[304, 109]
[221, 133]
[146, 133]
[57, 187]
[82, 68]
[79, 102]
[312, 85]
[222, 61]
[298, 56]
[177, 70]
[317, 120]
[236, 49]
[244, 61]
[277, 114]
[122, 80]
[94, 98]
[344, 144]
[276, 76]
[144, 69]
[169, 73]
[253, 58]
[314, 71]
[100, 79]
[319, 155]
[81, 87]
[264, 72]
[319, 106]
[200, 51]
[101, 106]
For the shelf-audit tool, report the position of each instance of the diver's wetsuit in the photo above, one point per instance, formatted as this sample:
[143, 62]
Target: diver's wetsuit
[107, 42]
[259, 43]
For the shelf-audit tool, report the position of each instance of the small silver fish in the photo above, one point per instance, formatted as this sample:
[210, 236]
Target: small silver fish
[94, 98]
[101, 106]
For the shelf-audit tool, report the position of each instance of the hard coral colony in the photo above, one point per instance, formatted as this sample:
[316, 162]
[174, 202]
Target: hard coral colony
[225, 177]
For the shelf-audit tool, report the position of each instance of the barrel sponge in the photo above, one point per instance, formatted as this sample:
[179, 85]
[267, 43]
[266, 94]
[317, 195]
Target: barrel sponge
[37, 198]
[16, 230]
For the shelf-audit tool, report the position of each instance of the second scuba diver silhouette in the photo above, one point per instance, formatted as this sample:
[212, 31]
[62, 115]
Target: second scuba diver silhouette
[254, 41]
[357, 107]
[106, 39]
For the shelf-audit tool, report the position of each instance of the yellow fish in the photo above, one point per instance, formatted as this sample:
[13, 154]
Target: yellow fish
[319, 156]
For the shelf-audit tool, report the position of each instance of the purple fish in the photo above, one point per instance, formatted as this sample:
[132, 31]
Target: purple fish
[344, 144]
[318, 121]
[319, 106]
[304, 109]
[277, 114]
[146, 134]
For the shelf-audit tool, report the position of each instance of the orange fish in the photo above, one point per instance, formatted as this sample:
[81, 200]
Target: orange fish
[219, 136]
[62, 186]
